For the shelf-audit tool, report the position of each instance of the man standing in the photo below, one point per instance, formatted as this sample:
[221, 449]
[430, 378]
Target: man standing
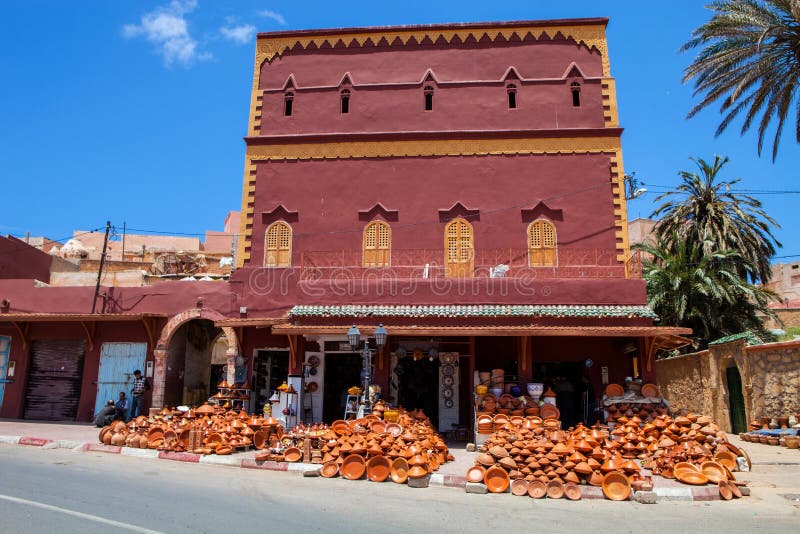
[137, 400]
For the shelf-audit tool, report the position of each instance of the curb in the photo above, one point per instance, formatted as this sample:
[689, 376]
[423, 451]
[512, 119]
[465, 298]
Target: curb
[708, 493]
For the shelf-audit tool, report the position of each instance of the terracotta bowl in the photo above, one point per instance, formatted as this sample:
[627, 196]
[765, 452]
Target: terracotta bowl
[519, 487]
[737, 493]
[572, 491]
[329, 470]
[224, 450]
[726, 458]
[725, 492]
[261, 457]
[394, 429]
[555, 489]
[694, 478]
[476, 473]
[378, 468]
[714, 471]
[537, 489]
[686, 466]
[399, 470]
[260, 439]
[496, 479]
[292, 454]
[353, 467]
[616, 486]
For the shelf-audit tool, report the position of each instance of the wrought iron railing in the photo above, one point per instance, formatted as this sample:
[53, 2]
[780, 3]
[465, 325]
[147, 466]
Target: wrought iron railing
[430, 263]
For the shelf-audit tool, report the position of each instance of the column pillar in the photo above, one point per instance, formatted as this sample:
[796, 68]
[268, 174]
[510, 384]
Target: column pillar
[159, 379]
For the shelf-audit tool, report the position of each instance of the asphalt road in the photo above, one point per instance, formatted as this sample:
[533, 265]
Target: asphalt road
[61, 491]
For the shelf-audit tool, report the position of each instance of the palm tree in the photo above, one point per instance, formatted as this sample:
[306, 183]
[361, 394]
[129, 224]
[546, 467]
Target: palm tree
[704, 210]
[750, 60]
[688, 287]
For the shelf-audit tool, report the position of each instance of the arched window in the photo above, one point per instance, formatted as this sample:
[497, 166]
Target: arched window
[512, 96]
[428, 97]
[278, 245]
[459, 253]
[345, 101]
[377, 244]
[288, 98]
[575, 87]
[541, 244]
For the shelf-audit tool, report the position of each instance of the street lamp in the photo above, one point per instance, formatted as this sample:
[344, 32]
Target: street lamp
[354, 339]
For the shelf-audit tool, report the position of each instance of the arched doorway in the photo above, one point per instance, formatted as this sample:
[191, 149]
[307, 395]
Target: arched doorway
[735, 399]
[188, 376]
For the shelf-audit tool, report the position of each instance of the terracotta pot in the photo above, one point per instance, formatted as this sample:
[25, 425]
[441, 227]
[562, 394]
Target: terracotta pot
[725, 492]
[378, 468]
[714, 471]
[476, 473]
[399, 470]
[329, 470]
[694, 478]
[572, 491]
[596, 478]
[417, 471]
[616, 487]
[224, 449]
[496, 479]
[537, 489]
[726, 458]
[555, 489]
[117, 439]
[353, 467]
[519, 487]
[264, 456]
[292, 454]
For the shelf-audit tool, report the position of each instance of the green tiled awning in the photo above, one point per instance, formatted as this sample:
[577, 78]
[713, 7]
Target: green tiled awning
[751, 338]
[477, 310]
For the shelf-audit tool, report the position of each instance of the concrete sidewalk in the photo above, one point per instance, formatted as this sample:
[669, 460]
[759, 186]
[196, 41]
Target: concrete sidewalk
[775, 473]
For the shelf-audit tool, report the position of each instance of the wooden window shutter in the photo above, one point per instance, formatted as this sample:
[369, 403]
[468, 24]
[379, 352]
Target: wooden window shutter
[278, 245]
[541, 244]
[459, 252]
[377, 244]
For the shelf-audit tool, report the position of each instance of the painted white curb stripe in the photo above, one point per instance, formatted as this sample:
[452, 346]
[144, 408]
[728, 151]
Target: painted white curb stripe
[302, 467]
[221, 460]
[674, 494]
[139, 453]
[88, 517]
[10, 440]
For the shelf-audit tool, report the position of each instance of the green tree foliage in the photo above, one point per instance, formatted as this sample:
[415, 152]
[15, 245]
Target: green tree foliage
[687, 286]
[703, 210]
[749, 60]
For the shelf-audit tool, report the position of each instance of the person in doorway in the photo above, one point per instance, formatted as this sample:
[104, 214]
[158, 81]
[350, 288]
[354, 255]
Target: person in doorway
[140, 385]
[122, 406]
[106, 414]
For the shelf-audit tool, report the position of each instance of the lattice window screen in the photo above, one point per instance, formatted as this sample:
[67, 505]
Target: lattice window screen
[541, 244]
[377, 244]
[278, 245]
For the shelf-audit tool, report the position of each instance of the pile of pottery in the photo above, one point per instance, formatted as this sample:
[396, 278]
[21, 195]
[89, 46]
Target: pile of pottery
[644, 411]
[506, 404]
[407, 449]
[204, 430]
[546, 459]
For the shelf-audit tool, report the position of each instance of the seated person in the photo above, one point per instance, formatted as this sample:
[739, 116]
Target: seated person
[106, 414]
[122, 406]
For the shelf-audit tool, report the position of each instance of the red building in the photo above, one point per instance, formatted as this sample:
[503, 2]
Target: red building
[461, 184]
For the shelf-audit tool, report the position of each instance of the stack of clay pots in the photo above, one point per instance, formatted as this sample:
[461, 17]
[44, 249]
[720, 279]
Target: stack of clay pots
[506, 404]
[406, 449]
[645, 411]
[534, 451]
[204, 430]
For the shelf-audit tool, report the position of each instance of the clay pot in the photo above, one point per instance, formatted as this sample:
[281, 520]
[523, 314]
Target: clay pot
[117, 439]
[353, 467]
[725, 492]
[519, 487]
[726, 458]
[224, 450]
[616, 487]
[555, 489]
[399, 471]
[596, 478]
[417, 471]
[496, 479]
[537, 489]
[476, 473]
[694, 478]
[329, 470]
[714, 471]
[107, 437]
[572, 491]
[378, 468]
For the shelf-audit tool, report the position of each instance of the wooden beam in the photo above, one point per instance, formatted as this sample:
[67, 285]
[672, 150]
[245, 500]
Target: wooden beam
[89, 335]
[149, 329]
[23, 332]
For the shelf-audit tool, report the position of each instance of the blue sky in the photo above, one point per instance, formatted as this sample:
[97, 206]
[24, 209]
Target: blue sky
[134, 111]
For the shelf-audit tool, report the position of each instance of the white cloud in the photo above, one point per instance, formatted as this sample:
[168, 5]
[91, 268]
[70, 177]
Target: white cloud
[167, 29]
[238, 34]
[277, 17]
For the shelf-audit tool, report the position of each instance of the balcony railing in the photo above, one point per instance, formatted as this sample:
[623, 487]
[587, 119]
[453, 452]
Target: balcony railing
[430, 263]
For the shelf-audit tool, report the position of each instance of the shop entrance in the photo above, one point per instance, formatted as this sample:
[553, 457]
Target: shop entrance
[418, 385]
[564, 378]
[342, 371]
[271, 370]
[188, 379]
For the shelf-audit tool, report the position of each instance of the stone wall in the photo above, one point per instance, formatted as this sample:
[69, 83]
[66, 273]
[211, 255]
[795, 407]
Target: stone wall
[770, 376]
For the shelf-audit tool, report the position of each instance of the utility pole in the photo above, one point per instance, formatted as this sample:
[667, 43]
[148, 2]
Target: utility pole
[100, 270]
[124, 224]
